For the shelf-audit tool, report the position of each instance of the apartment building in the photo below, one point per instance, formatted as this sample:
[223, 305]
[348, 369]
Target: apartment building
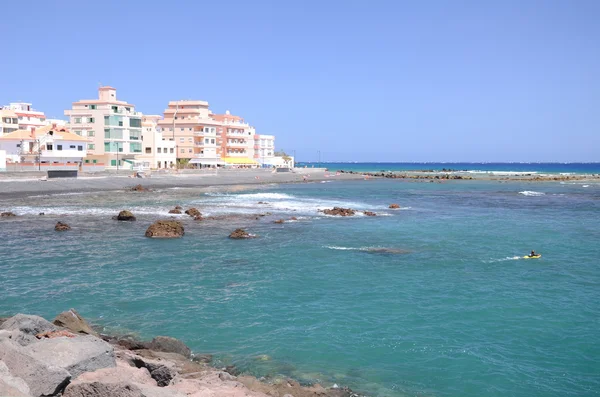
[157, 151]
[112, 127]
[237, 140]
[9, 121]
[264, 149]
[27, 117]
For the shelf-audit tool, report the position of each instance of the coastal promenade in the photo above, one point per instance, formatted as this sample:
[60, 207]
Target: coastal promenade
[19, 184]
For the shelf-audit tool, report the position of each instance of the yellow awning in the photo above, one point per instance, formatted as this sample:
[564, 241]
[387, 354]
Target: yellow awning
[238, 160]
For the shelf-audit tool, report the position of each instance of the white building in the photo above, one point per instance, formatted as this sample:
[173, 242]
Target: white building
[264, 149]
[46, 145]
[112, 128]
[157, 151]
[28, 118]
[9, 121]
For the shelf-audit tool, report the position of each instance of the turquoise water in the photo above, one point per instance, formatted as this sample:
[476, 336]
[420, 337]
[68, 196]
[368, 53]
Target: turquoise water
[458, 314]
[500, 168]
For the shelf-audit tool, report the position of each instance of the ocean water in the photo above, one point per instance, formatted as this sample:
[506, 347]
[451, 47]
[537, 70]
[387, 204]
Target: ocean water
[432, 299]
[492, 168]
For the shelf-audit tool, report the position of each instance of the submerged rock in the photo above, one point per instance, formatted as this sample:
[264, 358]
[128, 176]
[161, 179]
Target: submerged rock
[61, 227]
[394, 206]
[73, 321]
[174, 211]
[125, 216]
[178, 207]
[241, 234]
[7, 214]
[193, 212]
[139, 188]
[279, 221]
[369, 213]
[165, 229]
[338, 211]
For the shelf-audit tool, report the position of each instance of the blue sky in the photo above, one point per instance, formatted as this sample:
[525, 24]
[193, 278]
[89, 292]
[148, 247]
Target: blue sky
[365, 81]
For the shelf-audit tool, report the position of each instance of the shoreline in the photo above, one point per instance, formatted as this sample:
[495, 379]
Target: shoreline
[71, 358]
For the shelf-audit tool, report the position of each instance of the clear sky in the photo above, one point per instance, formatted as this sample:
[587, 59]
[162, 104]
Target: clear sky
[445, 80]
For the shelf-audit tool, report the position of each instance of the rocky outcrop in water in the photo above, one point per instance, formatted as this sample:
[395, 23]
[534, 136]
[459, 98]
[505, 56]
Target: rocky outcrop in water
[170, 345]
[338, 211]
[175, 211]
[193, 212]
[61, 227]
[165, 229]
[238, 234]
[139, 188]
[369, 213]
[7, 214]
[394, 206]
[279, 221]
[125, 216]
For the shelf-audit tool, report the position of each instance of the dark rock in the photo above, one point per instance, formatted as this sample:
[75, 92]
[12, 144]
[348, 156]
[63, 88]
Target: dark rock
[165, 229]
[73, 321]
[61, 227]
[125, 216]
[174, 211]
[178, 207]
[198, 218]
[394, 206]
[338, 211]
[233, 370]
[139, 188]
[7, 214]
[193, 212]
[41, 213]
[369, 213]
[262, 202]
[162, 375]
[241, 234]
[170, 345]
[202, 358]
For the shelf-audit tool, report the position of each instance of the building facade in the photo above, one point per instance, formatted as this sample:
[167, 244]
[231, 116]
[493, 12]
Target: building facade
[9, 121]
[113, 128]
[28, 118]
[157, 151]
[46, 145]
[265, 149]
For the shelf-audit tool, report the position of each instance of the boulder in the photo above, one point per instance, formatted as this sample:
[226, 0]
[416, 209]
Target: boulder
[198, 218]
[18, 337]
[139, 188]
[170, 345]
[202, 358]
[123, 372]
[279, 221]
[101, 389]
[41, 213]
[11, 385]
[28, 324]
[394, 206]
[338, 211]
[43, 379]
[77, 355]
[293, 218]
[193, 212]
[7, 214]
[165, 229]
[125, 216]
[73, 321]
[61, 227]
[174, 211]
[178, 207]
[369, 213]
[241, 234]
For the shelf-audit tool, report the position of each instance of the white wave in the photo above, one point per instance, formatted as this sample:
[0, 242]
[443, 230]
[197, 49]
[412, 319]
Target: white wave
[508, 258]
[253, 196]
[500, 173]
[109, 212]
[532, 193]
[334, 247]
[585, 185]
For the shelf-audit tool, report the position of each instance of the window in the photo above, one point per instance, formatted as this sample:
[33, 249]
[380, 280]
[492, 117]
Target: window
[113, 163]
[114, 109]
[48, 146]
[135, 123]
[91, 120]
[190, 151]
[165, 150]
[90, 133]
[71, 146]
[171, 151]
[181, 129]
[94, 161]
[148, 150]
[190, 128]
[78, 132]
[80, 148]
[212, 141]
[206, 140]
[93, 107]
[190, 140]
[157, 150]
[87, 161]
[181, 139]
[58, 147]
[128, 109]
[120, 124]
[18, 145]
[77, 120]
[91, 146]
[182, 150]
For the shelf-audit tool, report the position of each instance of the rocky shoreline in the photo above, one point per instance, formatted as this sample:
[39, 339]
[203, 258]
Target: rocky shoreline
[68, 357]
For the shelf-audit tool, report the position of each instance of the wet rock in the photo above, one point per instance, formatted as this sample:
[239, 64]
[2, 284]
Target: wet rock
[174, 211]
[61, 227]
[193, 212]
[28, 324]
[262, 202]
[394, 206]
[233, 370]
[178, 207]
[73, 321]
[279, 221]
[202, 358]
[369, 213]
[125, 216]
[165, 229]
[41, 213]
[198, 218]
[293, 218]
[338, 211]
[241, 234]
[139, 188]
[7, 214]
[170, 345]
